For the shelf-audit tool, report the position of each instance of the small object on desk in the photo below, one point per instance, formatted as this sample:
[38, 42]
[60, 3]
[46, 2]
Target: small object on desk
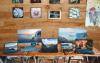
[30, 49]
[67, 47]
[49, 45]
[10, 47]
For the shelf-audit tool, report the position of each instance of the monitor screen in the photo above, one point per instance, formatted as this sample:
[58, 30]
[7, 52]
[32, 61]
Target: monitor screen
[29, 35]
[71, 34]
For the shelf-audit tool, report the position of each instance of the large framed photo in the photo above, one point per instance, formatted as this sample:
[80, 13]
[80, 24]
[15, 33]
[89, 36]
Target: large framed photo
[68, 35]
[74, 1]
[35, 1]
[36, 12]
[74, 13]
[29, 35]
[93, 13]
[54, 14]
[17, 12]
[17, 1]
[54, 1]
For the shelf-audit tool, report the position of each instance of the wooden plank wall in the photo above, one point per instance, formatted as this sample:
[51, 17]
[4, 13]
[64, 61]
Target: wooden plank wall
[10, 25]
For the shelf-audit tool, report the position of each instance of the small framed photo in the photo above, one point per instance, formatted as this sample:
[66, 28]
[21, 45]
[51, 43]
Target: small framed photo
[10, 47]
[17, 12]
[36, 12]
[54, 1]
[17, 1]
[74, 13]
[35, 1]
[74, 1]
[54, 15]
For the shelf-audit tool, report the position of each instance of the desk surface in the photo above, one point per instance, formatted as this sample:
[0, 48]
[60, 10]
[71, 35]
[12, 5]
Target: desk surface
[97, 53]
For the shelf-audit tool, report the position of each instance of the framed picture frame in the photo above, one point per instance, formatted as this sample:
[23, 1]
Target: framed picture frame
[17, 1]
[36, 12]
[74, 1]
[29, 35]
[54, 1]
[17, 12]
[10, 47]
[35, 1]
[93, 13]
[74, 13]
[54, 14]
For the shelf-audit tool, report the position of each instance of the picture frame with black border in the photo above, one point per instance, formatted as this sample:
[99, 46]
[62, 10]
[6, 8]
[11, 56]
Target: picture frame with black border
[35, 1]
[74, 13]
[54, 1]
[74, 1]
[17, 1]
[17, 12]
[54, 14]
[36, 12]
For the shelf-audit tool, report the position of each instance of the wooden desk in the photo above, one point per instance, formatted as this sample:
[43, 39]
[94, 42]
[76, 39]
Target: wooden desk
[45, 54]
[97, 53]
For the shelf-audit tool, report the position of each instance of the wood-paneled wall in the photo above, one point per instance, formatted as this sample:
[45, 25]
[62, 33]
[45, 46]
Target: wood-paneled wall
[10, 25]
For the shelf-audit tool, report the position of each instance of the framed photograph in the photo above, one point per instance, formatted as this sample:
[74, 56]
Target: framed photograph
[74, 1]
[68, 35]
[36, 12]
[35, 1]
[74, 13]
[84, 46]
[67, 47]
[93, 13]
[29, 35]
[17, 1]
[49, 45]
[54, 1]
[54, 15]
[10, 47]
[17, 12]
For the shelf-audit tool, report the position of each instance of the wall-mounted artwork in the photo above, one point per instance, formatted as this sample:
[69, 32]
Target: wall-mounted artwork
[74, 13]
[35, 1]
[54, 15]
[93, 13]
[54, 1]
[36, 13]
[67, 35]
[74, 1]
[17, 12]
[17, 1]
[29, 35]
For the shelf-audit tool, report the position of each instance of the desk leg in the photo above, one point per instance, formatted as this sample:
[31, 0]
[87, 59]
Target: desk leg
[69, 59]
